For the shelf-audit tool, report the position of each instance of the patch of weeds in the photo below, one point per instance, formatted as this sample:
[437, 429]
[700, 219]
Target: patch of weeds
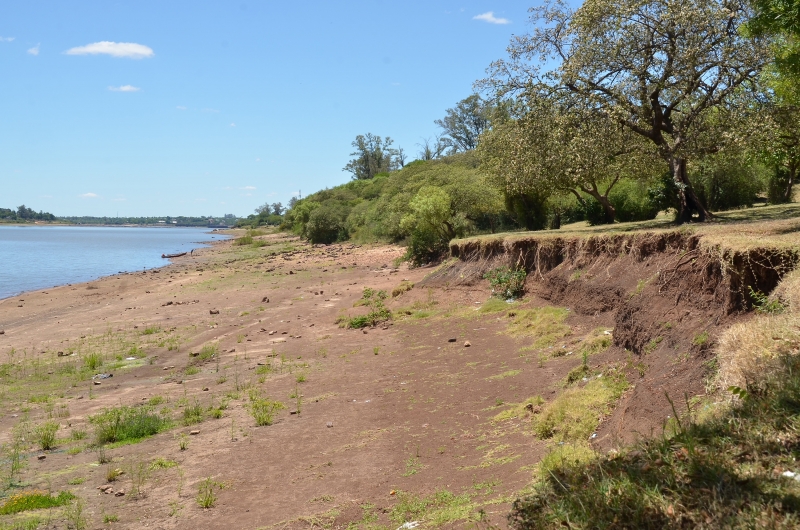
[263, 409]
[506, 282]
[76, 481]
[651, 346]
[183, 442]
[764, 304]
[574, 414]
[78, 434]
[110, 518]
[440, 508]
[404, 287]
[113, 473]
[640, 285]
[92, 361]
[564, 456]
[34, 500]
[508, 373]
[597, 342]
[301, 377]
[139, 472]
[151, 330]
[521, 410]
[701, 339]
[162, 463]
[576, 275]
[121, 424]
[493, 305]
[191, 370]
[207, 352]
[193, 414]
[544, 323]
[413, 466]
[46, 435]
[207, 493]
[156, 400]
[378, 312]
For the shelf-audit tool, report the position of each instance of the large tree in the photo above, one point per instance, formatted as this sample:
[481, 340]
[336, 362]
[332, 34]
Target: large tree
[656, 67]
[464, 123]
[373, 155]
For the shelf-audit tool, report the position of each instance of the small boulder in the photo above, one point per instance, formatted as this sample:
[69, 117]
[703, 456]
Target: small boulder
[194, 432]
[41, 457]
[452, 339]
[467, 344]
[119, 493]
[214, 312]
[265, 300]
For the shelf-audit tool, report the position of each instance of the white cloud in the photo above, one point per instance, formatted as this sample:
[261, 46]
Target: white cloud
[130, 50]
[6, 39]
[34, 50]
[180, 107]
[491, 19]
[249, 188]
[258, 160]
[233, 125]
[89, 195]
[124, 88]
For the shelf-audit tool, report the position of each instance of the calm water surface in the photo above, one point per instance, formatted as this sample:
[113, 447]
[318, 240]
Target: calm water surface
[36, 257]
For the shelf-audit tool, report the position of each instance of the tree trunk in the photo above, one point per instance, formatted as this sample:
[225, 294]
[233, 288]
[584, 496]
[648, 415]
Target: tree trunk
[609, 210]
[792, 174]
[688, 202]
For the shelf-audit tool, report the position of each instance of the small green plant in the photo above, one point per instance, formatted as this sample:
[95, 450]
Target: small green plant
[76, 519]
[162, 463]
[378, 312]
[301, 378]
[207, 352]
[764, 304]
[193, 413]
[46, 435]
[183, 442]
[151, 330]
[110, 518]
[120, 424]
[76, 481]
[263, 409]
[92, 361]
[506, 282]
[701, 339]
[413, 466]
[78, 434]
[207, 493]
[112, 473]
[139, 472]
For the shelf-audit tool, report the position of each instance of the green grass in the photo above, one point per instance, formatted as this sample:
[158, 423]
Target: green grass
[596, 342]
[494, 305]
[437, 509]
[574, 414]
[544, 323]
[263, 409]
[34, 500]
[726, 471]
[127, 424]
[508, 373]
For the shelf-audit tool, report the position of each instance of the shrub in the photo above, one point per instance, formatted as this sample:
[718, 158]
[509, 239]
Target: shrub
[46, 435]
[425, 246]
[378, 312]
[263, 409]
[206, 493]
[92, 361]
[127, 423]
[326, 224]
[506, 282]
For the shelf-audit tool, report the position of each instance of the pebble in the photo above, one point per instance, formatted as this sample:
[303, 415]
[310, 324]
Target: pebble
[120, 493]
[194, 432]
[329, 424]
[467, 344]
[96, 382]
[452, 340]
[41, 457]
[214, 311]
[205, 389]
[2, 332]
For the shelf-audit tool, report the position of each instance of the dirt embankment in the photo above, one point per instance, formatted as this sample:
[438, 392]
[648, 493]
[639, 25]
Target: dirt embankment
[668, 295]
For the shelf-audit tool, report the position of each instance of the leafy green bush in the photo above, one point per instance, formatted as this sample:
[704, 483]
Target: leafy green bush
[326, 224]
[263, 409]
[127, 423]
[506, 282]
[46, 435]
[378, 312]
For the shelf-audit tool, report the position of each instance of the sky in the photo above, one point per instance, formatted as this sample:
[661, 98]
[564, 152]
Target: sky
[204, 108]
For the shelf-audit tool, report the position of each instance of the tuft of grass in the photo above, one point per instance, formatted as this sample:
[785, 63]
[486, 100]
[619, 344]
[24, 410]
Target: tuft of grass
[404, 287]
[34, 500]
[191, 370]
[437, 509]
[521, 410]
[508, 373]
[596, 342]
[263, 409]
[493, 305]
[544, 323]
[193, 413]
[92, 361]
[574, 414]
[151, 330]
[121, 424]
[46, 435]
[701, 339]
[506, 282]
[207, 352]
[378, 312]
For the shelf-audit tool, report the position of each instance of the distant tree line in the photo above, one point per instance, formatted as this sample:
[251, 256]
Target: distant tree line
[23, 214]
[202, 221]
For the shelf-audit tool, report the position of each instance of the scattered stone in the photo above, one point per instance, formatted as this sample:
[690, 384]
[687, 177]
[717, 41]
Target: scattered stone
[205, 389]
[2, 332]
[265, 300]
[329, 424]
[291, 272]
[214, 312]
[194, 432]
[120, 493]
[292, 412]
[467, 344]
[96, 382]
[41, 457]
[191, 354]
[365, 331]
[276, 341]
[104, 487]
[452, 339]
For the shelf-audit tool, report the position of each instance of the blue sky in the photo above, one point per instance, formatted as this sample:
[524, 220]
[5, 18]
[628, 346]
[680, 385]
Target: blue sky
[205, 108]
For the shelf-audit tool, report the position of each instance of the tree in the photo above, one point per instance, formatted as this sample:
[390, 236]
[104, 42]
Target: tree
[277, 208]
[431, 149]
[464, 123]
[373, 155]
[779, 19]
[655, 66]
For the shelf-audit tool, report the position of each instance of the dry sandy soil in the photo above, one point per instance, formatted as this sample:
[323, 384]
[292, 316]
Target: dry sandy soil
[395, 415]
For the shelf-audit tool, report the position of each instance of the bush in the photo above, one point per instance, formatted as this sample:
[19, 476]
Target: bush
[377, 311]
[120, 424]
[263, 409]
[46, 435]
[326, 224]
[425, 246]
[506, 282]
